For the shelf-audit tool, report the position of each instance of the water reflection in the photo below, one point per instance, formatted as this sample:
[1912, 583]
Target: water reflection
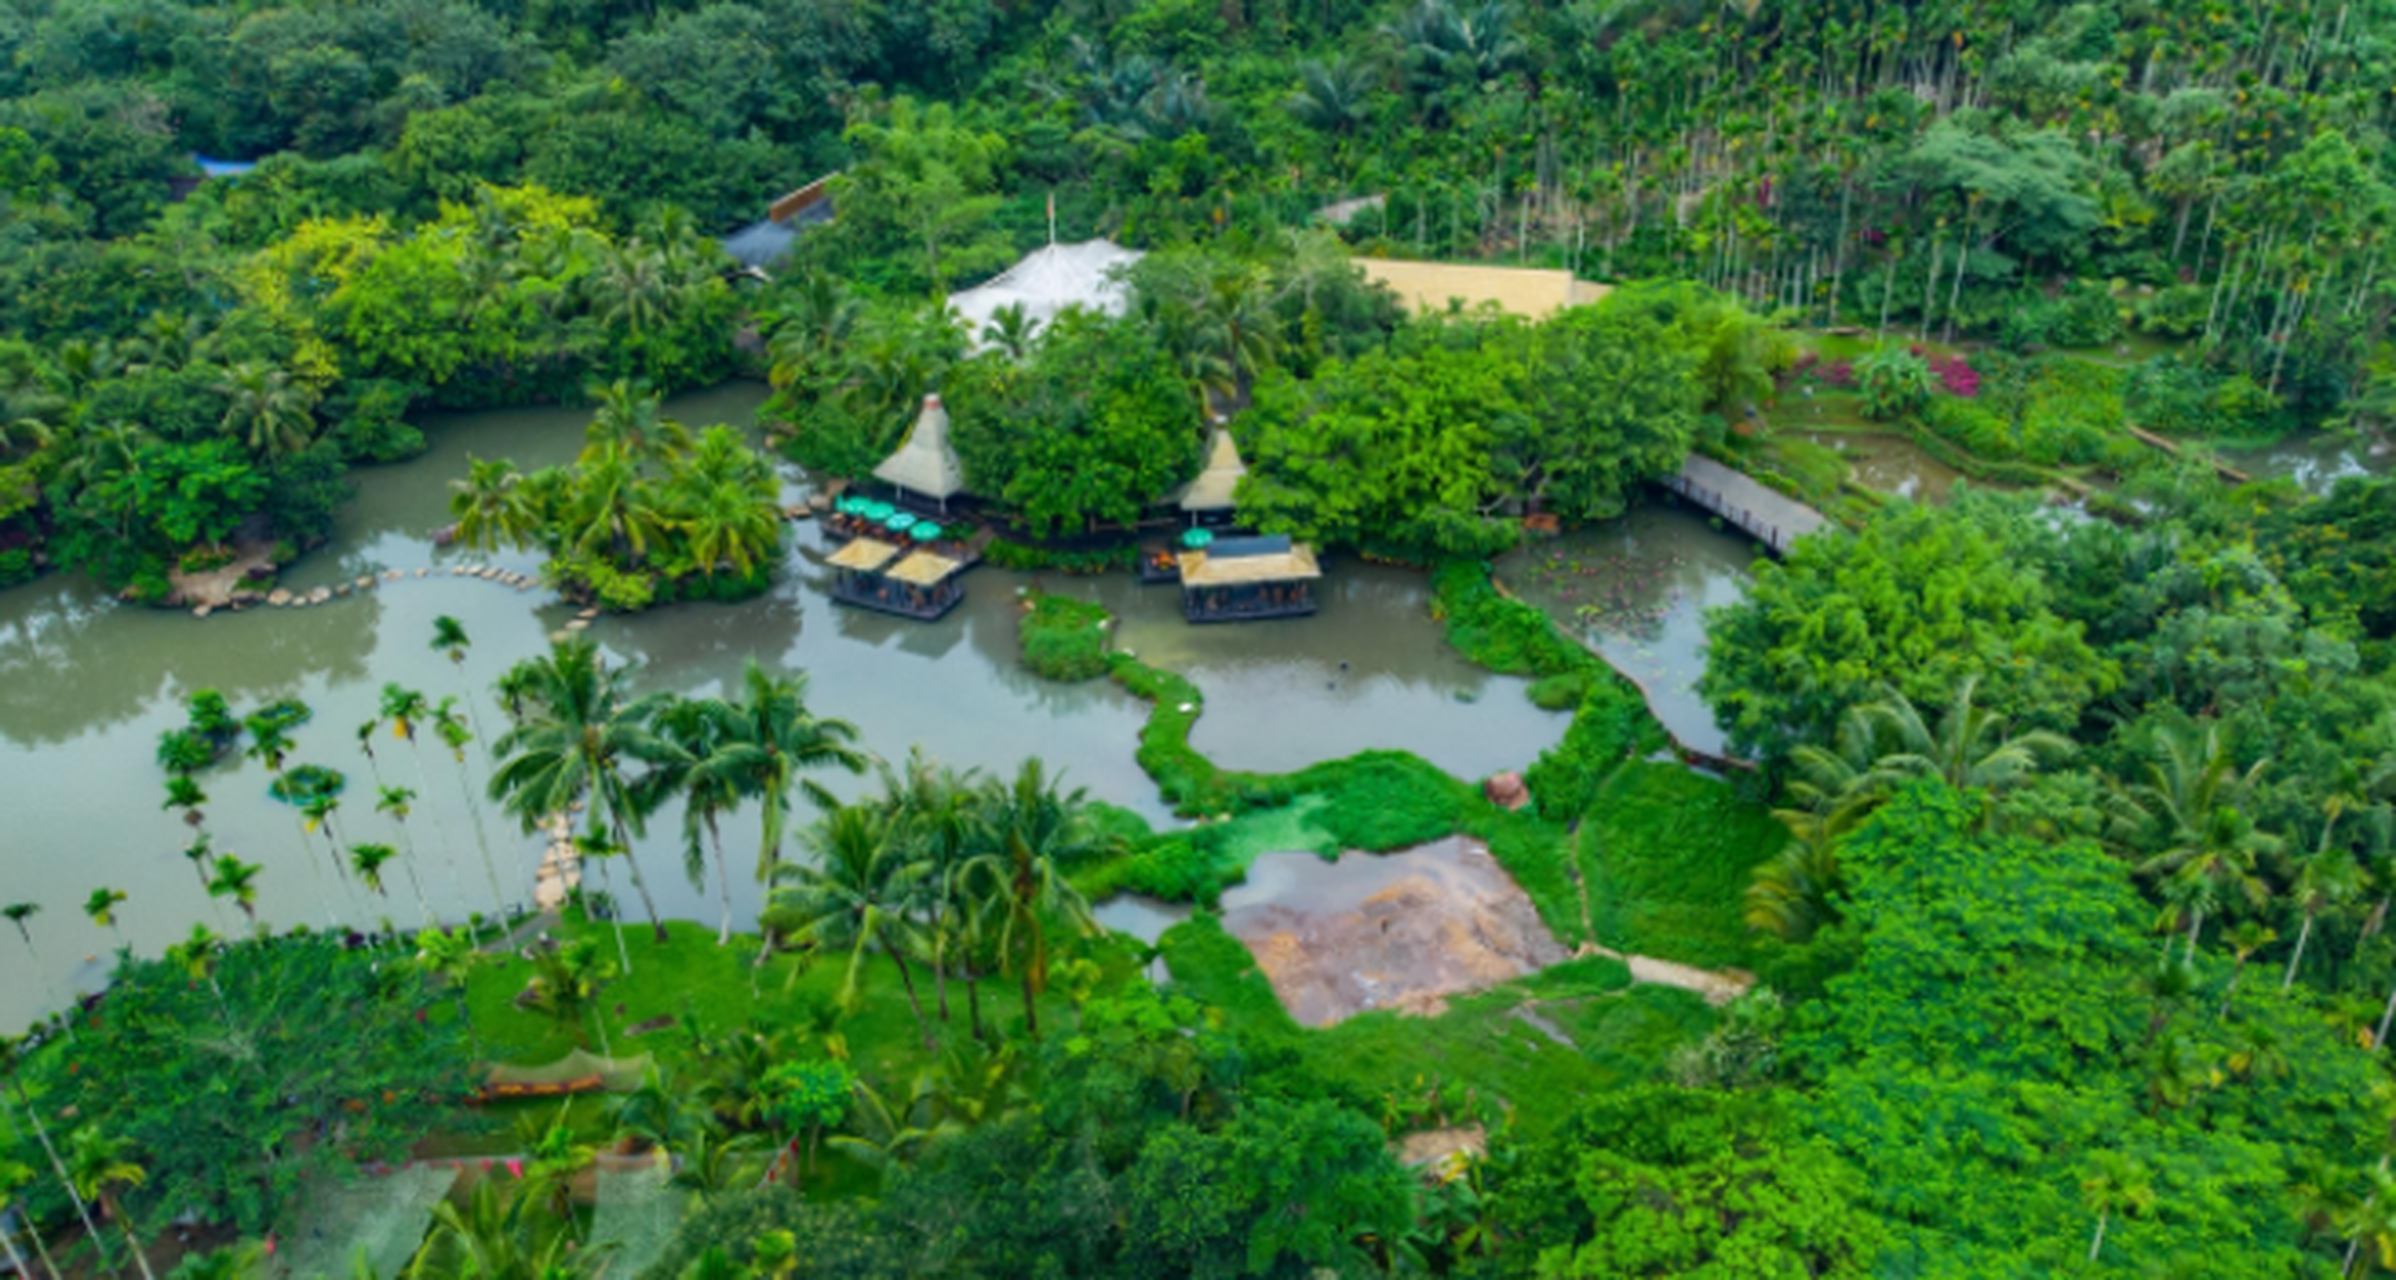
[86, 687]
[1890, 464]
[1636, 589]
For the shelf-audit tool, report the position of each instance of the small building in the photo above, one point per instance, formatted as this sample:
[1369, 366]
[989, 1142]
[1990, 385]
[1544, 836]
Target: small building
[877, 575]
[764, 242]
[926, 464]
[1243, 579]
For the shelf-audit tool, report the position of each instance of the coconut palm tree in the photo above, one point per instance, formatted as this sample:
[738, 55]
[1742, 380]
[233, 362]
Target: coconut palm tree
[565, 985]
[696, 767]
[860, 892]
[773, 740]
[2195, 799]
[493, 506]
[237, 880]
[2115, 1183]
[936, 818]
[629, 422]
[1968, 748]
[102, 1166]
[888, 1134]
[12, 1061]
[2329, 880]
[579, 730]
[1034, 831]
[267, 411]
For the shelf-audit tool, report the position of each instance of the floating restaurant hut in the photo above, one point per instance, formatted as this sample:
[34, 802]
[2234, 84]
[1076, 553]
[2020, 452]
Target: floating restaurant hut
[926, 463]
[1242, 579]
[920, 583]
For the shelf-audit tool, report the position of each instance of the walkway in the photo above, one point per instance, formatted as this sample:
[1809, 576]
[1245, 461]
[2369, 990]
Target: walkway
[1768, 515]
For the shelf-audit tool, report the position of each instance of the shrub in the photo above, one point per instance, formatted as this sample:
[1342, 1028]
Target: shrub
[2085, 316]
[1613, 726]
[1895, 383]
[15, 566]
[1025, 558]
[1970, 424]
[1063, 638]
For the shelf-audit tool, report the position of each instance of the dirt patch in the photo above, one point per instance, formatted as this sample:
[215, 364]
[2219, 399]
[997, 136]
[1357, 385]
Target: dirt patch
[1396, 931]
[1440, 1148]
[223, 586]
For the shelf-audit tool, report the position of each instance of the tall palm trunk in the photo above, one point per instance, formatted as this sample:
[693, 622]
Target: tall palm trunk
[915, 1001]
[16, 1260]
[723, 880]
[109, 1205]
[449, 853]
[482, 839]
[639, 882]
[2304, 934]
[83, 1210]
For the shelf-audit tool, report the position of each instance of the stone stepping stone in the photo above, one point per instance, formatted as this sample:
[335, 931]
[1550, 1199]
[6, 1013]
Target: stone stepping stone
[201, 612]
[560, 637]
[587, 614]
[420, 573]
[341, 590]
[278, 597]
[366, 583]
[392, 575]
[579, 624]
[319, 596]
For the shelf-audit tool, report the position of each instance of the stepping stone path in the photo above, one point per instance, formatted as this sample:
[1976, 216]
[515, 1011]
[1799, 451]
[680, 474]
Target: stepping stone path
[278, 597]
[578, 625]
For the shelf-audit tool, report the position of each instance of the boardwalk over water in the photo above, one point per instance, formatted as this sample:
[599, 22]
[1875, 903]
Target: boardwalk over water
[1768, 515]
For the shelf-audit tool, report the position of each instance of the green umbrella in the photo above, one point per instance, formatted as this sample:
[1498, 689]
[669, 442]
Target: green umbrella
[852, 504]
[899, 522]
[877, 510]
[924, 531]
[1196, 538]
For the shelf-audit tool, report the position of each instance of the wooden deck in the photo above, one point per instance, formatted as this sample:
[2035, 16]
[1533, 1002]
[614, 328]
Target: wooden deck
[896, 603]
[1767, 515]
[1257, 613]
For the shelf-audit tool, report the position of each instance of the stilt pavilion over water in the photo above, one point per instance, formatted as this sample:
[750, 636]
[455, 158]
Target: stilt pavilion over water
[1243, 579]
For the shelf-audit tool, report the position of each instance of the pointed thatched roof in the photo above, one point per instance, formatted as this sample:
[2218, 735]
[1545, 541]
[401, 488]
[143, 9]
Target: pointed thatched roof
[1214, 485]
[926, 464]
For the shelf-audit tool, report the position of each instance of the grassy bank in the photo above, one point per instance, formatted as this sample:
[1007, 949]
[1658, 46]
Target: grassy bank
[1062, 638]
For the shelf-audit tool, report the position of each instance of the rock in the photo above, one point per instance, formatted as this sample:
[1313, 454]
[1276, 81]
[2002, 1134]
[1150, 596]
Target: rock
[579, 624]
[200, 612]
[420, 572]
[365, 582]
[587, 614]
[319, 596]
[457, 571]
[278, 597]
[1507, 791]
[392, 575]
[560, 637]
[341, 590]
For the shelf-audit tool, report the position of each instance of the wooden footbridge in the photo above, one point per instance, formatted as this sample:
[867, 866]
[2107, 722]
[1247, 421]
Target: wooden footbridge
[1767, 515]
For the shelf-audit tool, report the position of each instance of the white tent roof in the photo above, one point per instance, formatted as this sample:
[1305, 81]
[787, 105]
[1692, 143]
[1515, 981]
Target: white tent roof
[1212, 489]
[925, 463]
[1047, 282]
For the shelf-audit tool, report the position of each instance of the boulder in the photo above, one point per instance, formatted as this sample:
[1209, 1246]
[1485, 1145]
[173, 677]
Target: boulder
[278, 597]
[1507, 791]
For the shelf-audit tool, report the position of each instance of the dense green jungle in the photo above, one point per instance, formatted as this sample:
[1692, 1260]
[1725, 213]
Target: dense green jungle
[2031, 921]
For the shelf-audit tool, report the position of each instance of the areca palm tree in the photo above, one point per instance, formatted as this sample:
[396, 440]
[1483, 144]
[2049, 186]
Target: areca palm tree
[12, 1060]
[579, 731]
[267, 411]
[860, 892]
[493, 506]
[773, 740]
[14, 1178]
[1036, 832]
[101, 907]
[238, 880]
[2115, 1183]
[103, 1166]
[2327, 881]
[21, 914]
[271, 746]
[409, 710]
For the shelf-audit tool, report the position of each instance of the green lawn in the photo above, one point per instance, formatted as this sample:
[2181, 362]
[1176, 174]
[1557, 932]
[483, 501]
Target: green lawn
[1416, 1072]
[1667, 852]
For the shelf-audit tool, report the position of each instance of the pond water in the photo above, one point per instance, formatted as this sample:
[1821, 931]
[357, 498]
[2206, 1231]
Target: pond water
[2316, 461]
[86, 687]
[1889, 464]
[1636, 590]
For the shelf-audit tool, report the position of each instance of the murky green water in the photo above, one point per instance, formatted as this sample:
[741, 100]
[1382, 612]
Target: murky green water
[1636, 589]
[1890, 464]
[2316, 461]
[86, 687]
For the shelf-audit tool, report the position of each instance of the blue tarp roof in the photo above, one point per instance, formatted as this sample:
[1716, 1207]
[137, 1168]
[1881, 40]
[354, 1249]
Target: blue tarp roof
[224, 168]
[760, 243]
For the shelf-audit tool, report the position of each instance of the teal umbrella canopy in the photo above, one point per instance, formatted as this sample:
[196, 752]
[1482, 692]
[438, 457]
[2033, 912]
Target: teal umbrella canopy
[1194, 539]
[899, 522]
[924, 531]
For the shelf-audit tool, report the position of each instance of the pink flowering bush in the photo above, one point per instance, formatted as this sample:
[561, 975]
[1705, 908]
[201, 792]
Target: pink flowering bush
[1957, 377]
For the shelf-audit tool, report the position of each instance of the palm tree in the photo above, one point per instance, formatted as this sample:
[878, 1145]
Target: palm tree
[2327, 881]
[934, 813]
[102, 1167]
[697, 767]
[101, 907]
[12, 1061]
[18, 913]
[860, 892]
[497, 1237]
[2195, 797]
[493, 506]
[15, 1178]
[888, 1137]
[579, 727]
[368, 861]
[267, 411]
[2115, 1183]
[237, 880]
[1012, 331]
[565, 985]
[629, 423]
[773, 739]
[398, 803]
[185, 794]
[1334, 96]
[457, 737]
[406, 708]
[1037, 832]
[451, 957]
[1968, 749]
[724, 505]
[270, 745]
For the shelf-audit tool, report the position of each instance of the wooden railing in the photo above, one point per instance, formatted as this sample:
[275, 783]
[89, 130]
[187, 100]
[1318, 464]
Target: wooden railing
[1755, 526]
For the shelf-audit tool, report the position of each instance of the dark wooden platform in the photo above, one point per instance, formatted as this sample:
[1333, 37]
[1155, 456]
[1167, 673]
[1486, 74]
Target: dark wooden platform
[895, 603]
[1258, 614]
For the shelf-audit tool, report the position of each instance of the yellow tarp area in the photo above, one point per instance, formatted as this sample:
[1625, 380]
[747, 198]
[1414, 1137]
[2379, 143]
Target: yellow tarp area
[1199, 569]
[1522, 291]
